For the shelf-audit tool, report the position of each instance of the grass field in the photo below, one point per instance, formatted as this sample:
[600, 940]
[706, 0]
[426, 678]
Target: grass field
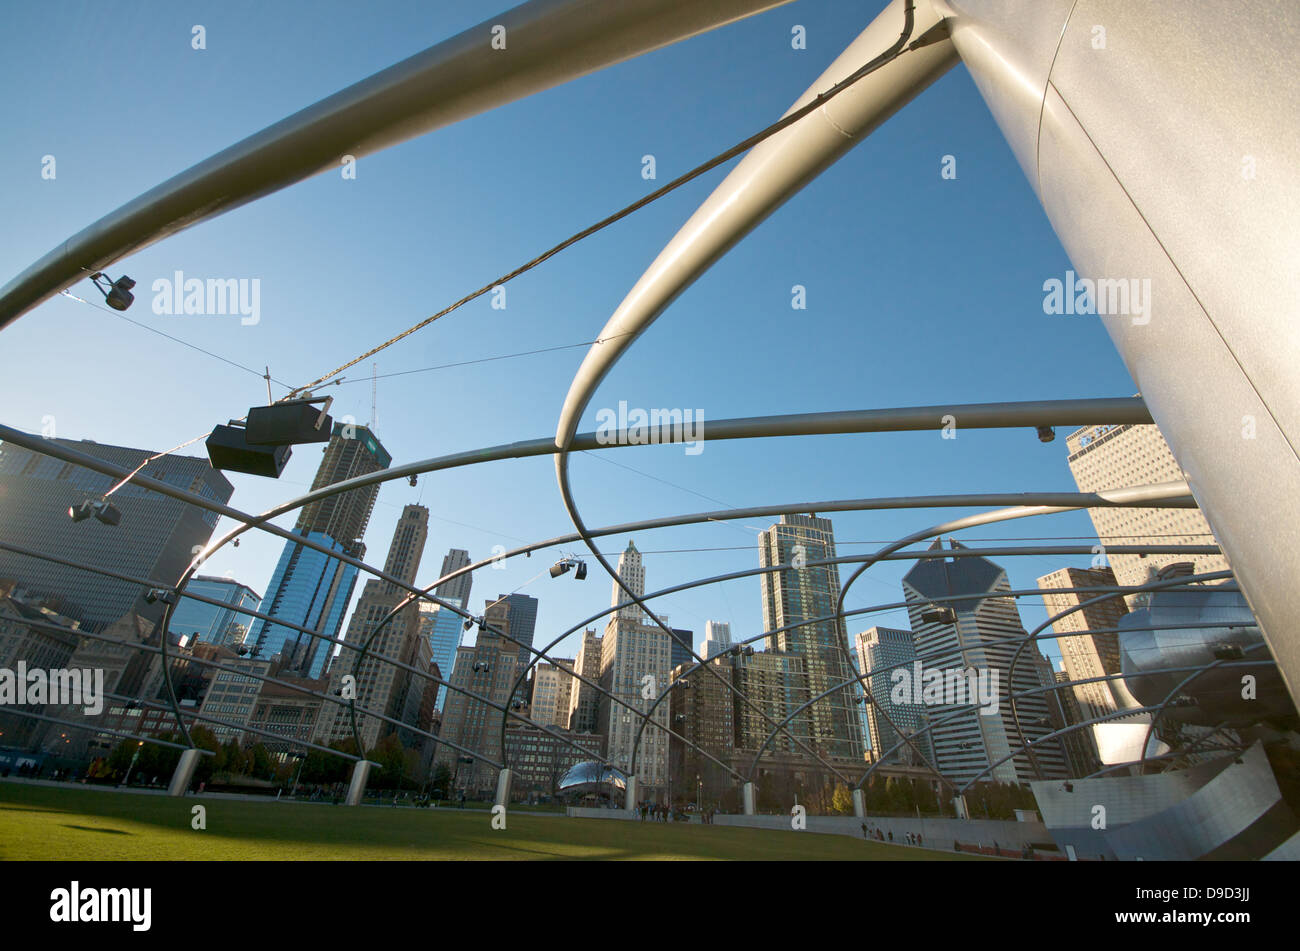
[41, 822]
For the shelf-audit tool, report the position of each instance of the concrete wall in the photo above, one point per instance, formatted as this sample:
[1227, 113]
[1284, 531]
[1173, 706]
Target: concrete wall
[1010, 837]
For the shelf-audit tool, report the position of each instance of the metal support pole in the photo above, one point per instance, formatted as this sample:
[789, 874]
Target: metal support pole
[748, 796]
[183, 773]
[859, 804]
[629, 799]
[503, 787]
[357, 787]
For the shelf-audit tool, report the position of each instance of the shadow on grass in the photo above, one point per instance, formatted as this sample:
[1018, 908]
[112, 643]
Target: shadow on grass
[97, 829]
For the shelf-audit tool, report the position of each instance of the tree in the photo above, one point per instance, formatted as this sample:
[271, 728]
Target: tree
[391, 756]
[259, 761]
[204, 739]
[842, 800]
[440, 786]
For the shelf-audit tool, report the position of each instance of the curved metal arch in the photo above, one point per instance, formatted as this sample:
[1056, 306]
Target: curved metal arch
[871, 609]
[1164, 704]
[146, 648]
[1015, 713]
[843, 559]
[1156, 585]
[1155, 712]
[892, 420]
[1079, 500]
[245, 523]
[1116, 714]
[124, 734]
[550, 42]
[1174, 491]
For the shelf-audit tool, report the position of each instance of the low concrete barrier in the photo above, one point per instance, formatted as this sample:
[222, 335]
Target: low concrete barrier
[1006, 838]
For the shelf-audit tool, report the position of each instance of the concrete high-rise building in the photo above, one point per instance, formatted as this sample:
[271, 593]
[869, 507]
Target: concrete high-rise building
[488, 669]
[41, 639]
[976, 640]
[632, 572]
[704, 715]
[776, 685]
[552, 687]
[352, 451]
[1080, 747]
[312, 589]
[156, 538]
[211, 623]
[1085, 655]
[459, 587]
[380, 686]
[583, 699]
[880, 649]
[717, 638]
[1114, 456]
[635, 656]
[516, 615]
[795, 600]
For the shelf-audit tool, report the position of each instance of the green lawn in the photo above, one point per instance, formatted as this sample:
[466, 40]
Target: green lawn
[39, 822]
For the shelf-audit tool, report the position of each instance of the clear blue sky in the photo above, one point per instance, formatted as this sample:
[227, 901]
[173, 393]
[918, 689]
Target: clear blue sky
[919, 290]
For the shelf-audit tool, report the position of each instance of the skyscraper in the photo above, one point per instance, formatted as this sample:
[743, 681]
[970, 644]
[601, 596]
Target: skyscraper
[717, 638]
[157, 537]
[380, 686]
[801, 600]
[582, 697]
[683, 642]
[880, 649]
[443, 629]
[308, 587]
[635, 659]
[486, 668]
[454, 560]
[1114, 456]
[632, 572]
[516, 615]
[211, 623]
[1087, 656]
[552, 685]
[978, 637]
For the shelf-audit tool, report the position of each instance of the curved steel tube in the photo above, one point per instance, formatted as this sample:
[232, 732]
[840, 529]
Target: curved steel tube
[549, 42]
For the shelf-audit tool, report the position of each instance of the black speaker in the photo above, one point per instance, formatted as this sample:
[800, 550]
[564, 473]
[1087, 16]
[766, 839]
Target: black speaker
[229, 449]
[287, 423]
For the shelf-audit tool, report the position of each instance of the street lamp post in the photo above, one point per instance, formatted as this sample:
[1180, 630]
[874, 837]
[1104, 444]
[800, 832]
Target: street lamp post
[126, 780]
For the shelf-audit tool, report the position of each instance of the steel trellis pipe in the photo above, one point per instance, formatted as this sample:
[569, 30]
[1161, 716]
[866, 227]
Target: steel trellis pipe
[1155, 712]
[1015, 713]
[1146, 740]
[273, 680]
[1167, 491]
[839, 560]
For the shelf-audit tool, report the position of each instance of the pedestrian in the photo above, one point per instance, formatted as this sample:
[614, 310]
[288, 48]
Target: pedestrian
[864, 830]
[919, 840]
[891, 835]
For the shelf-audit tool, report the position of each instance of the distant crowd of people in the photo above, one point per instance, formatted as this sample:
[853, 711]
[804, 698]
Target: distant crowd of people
[871, 832]
[658, 812]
